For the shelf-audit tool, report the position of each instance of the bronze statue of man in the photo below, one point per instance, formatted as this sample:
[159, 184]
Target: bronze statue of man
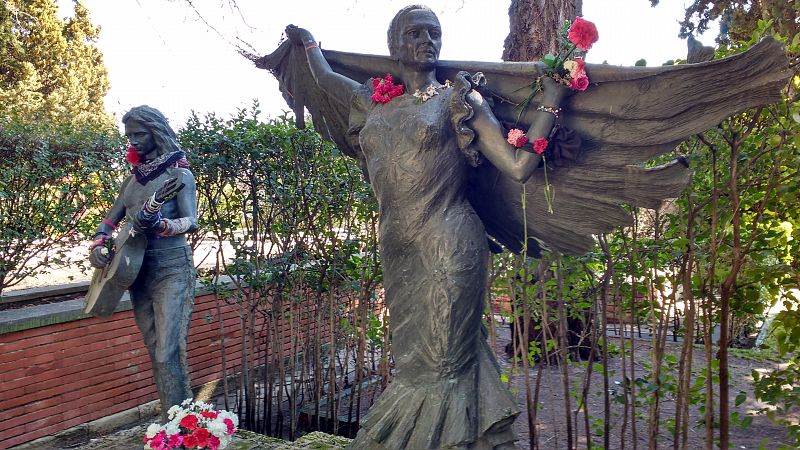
[158, 201]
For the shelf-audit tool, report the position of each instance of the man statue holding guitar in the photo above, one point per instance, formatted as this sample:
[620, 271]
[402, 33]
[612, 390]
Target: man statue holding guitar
[150, 257]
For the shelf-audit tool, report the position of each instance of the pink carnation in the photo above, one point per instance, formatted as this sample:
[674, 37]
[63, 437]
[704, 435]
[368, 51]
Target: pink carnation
[517, 138]
[230, 425]
[213, 442]
[579, 69]
[582, 33]
[175, 441]
[540, 145]
[158, 440]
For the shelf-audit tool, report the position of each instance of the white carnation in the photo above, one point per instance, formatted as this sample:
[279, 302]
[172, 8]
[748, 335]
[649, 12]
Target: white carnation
[217, 428]
[152, 430]
[172, 428]
[173, 410]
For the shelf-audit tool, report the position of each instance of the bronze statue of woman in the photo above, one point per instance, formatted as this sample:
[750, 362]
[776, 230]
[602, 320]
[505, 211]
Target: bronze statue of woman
[447, 389]
[445, 176]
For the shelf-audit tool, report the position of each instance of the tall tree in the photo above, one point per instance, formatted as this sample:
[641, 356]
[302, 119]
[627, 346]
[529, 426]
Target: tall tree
[534, 32]
[51, 67]
[534, 27]
[58, 144]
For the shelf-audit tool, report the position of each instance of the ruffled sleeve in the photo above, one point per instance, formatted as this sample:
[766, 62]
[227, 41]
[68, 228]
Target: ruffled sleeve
[461, 112]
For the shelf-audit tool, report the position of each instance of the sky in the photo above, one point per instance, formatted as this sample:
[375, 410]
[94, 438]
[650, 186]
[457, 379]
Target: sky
[168, 55]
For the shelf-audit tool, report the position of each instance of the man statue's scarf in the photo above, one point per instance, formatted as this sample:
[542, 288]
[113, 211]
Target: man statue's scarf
[149, 170]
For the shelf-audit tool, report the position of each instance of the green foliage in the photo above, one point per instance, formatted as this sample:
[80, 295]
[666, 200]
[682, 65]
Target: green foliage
[55, 180]
[285, 198]
[57, 144]
[738, 18]
[781, 390]
[50, 67]
[296, 224]
[736, 231]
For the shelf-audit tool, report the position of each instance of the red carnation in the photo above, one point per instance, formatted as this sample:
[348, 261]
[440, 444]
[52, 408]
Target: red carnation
[189, 422]
[540, 145]
[132, 157]
[201, 434]
[209, 414]
[582, 33]
[190, 441]
[397, 90]
[384, 89]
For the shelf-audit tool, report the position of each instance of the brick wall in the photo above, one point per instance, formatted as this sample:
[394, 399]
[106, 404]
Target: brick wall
[56, 377]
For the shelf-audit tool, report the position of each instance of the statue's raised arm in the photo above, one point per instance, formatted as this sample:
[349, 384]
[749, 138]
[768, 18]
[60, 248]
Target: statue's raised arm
[432, 137]
[338, 87]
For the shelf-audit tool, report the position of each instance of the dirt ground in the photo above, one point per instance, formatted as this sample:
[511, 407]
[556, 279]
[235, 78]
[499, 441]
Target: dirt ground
[551, 421]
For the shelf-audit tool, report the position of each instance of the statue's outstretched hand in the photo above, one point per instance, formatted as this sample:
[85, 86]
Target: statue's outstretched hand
[297, 35]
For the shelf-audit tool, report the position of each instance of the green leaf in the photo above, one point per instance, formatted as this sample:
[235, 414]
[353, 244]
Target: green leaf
[740, 398]
[550, 60]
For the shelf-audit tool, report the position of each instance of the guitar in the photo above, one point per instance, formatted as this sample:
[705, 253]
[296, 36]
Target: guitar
[110, 283]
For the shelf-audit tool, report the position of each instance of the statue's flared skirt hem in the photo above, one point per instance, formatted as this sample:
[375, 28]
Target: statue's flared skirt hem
[473, 410]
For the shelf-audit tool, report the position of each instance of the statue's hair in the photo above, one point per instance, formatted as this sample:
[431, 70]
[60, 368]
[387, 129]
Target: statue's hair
[155, 122]
[391, 34]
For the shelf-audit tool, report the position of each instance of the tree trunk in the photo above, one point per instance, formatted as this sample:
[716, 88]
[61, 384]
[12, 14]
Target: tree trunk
[534, 27]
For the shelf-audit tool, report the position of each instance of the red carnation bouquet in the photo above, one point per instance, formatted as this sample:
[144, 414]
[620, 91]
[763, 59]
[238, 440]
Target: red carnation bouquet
[563, 67]
[192, 425]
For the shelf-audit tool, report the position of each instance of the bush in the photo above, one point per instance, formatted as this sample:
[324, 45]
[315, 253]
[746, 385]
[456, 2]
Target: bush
[56, 180]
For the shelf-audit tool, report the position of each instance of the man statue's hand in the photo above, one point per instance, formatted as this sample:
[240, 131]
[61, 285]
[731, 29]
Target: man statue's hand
[169, 189]
[99, 256]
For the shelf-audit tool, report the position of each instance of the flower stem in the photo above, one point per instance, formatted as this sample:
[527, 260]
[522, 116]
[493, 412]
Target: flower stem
[549, 193]
[524, 223]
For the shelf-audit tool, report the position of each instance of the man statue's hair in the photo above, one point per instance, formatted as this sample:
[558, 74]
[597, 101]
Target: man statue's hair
[164, 137]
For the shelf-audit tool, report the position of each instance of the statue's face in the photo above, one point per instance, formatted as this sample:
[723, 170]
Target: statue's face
[141, 139]
[419, 39]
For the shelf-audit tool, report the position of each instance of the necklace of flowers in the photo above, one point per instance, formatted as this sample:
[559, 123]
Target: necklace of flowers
[384, 89]
[430, 91]
[518, 139]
